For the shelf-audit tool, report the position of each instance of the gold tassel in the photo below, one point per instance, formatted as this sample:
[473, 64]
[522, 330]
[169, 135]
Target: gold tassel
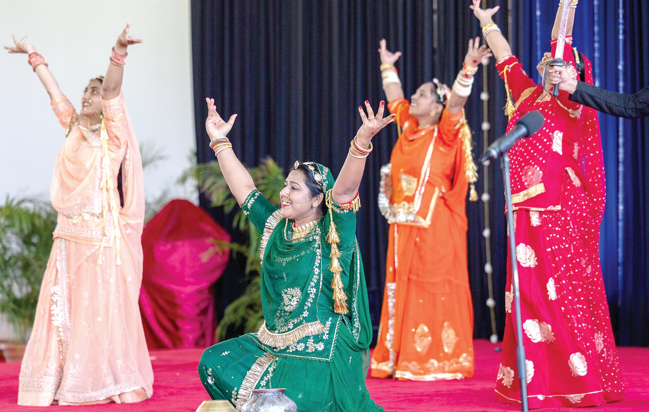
[509, 107]
[334, 251]
[335, 265]
[470, 166]
[332, 236]
[340, 299]
[337, 284]
[473, 196]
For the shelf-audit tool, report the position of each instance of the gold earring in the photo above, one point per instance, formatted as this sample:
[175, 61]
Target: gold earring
[315, 205]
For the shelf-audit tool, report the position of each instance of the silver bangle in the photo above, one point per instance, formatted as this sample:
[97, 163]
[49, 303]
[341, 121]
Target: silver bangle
[222, 149]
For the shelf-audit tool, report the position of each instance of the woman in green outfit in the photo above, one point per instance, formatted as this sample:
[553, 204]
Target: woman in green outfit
[317, 325]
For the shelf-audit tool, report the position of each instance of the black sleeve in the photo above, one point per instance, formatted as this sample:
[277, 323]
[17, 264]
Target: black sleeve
[616, 104]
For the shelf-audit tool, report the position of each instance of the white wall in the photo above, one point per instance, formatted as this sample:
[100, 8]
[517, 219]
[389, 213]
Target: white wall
[76, 38]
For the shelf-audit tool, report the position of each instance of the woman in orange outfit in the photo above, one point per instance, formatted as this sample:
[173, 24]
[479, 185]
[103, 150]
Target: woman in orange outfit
[426, 328]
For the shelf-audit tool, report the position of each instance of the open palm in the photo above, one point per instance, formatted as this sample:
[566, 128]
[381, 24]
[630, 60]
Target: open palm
[20, 46]
[217, 127]
[484, 15]
[476, 53]
[372, 124]
[387, 57]
[125, 40]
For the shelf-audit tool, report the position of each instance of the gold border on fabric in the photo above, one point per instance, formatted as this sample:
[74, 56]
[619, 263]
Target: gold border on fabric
[389, 337]
[406, 213]
[272, 221]
[283, 340]
[36, 385]
[289, 355]
[250, 199]
[541, 397]
[526, 93]
[430, 377]
[528, 194]
[252, 378]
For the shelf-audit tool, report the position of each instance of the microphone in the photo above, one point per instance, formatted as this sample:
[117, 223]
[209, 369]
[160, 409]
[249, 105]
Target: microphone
[526, 126]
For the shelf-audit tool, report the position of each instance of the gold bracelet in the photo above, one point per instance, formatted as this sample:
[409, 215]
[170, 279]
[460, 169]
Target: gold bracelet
[351, 153]
[488, 26]
[387, 67]
[470, 70]
[491, 30]
[217, 146]
[359, 149]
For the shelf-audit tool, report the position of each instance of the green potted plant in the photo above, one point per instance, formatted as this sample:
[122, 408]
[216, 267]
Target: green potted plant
[26, 226]
[245, 313]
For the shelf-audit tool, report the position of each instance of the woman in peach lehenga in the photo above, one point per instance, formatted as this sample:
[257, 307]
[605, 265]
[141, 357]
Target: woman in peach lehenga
[87, 344]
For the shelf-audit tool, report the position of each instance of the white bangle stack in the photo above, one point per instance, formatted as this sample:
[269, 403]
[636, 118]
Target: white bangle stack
[463, 84]
[389, 74]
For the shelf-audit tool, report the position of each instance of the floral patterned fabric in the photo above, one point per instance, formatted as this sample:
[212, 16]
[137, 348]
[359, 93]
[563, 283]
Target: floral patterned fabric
[571, 358]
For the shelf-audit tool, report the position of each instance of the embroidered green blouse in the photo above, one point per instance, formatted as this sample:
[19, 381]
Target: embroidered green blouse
[296, 292]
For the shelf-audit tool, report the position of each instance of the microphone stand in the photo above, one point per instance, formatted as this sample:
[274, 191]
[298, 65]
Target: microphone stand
[520, 349]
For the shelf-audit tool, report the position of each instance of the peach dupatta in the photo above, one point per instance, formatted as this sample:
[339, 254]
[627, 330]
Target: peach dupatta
[87, 344]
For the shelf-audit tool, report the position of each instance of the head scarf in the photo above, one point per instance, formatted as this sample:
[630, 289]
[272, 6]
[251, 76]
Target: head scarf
[321, 174]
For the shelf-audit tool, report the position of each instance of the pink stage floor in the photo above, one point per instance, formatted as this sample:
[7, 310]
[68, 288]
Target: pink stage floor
[177, 388]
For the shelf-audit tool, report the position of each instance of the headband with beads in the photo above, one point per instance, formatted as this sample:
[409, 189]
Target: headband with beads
[320, 176]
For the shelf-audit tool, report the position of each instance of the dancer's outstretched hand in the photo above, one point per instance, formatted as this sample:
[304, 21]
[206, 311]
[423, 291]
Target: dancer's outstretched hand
[217, 127]
[20, 46]
[124, 40]
[372, 124]
[476, 53]
[387, 57]
[484, 15]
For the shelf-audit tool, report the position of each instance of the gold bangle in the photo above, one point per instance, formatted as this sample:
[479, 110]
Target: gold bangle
[358, 147]
[491, 30]
[488, 26]
[217, 146]
[355, 156]
[387, 67]
[220, 144]
[470, 70]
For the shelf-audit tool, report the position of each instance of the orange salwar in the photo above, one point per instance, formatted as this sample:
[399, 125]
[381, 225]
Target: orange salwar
[426, 328]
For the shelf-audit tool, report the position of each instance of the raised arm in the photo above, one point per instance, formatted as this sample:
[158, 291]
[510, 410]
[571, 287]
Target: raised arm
[571, 20]
[391, 81]
[239, 180]
[464, 81]
[496, 41]
[112, 84]
[351, 174]
[40, 66]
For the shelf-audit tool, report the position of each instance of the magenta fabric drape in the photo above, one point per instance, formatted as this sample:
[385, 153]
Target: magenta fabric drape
[181, 263]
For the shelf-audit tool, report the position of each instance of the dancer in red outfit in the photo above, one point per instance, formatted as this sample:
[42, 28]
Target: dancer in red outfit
[558, 196]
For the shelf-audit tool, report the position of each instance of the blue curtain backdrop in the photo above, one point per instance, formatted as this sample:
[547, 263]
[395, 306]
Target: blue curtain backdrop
[295, 71]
